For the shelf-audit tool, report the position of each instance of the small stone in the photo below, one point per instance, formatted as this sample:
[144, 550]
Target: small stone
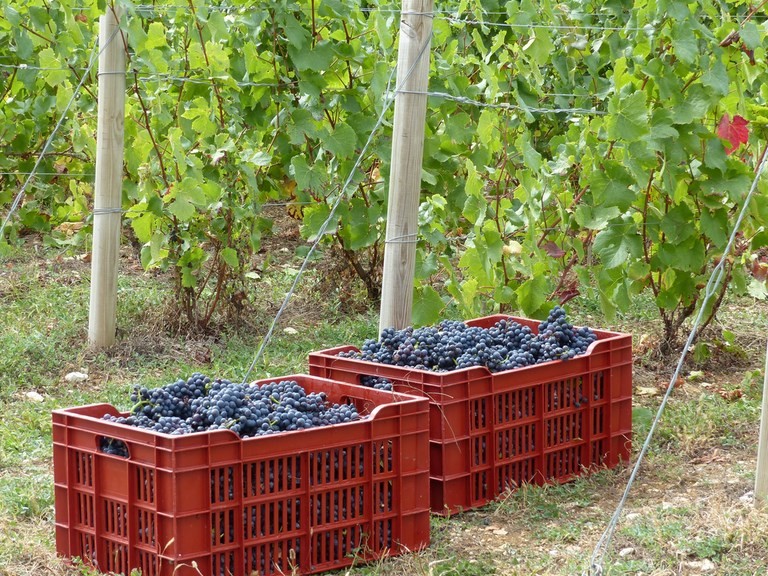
[624, 552]
[74, 377]
[633, 516]
[748, 498]
[705, 565]
[34, 396]
[290, 330]
[500, 532]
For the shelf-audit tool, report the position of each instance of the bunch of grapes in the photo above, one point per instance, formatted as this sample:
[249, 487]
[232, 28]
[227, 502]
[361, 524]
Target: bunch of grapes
[452, 345]
[200, 404]
[376, 382]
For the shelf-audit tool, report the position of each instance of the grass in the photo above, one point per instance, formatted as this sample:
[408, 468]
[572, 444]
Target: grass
[687, 507]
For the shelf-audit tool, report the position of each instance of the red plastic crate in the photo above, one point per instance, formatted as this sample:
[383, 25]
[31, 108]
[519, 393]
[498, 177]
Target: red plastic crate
[212, 503]
[490, 432]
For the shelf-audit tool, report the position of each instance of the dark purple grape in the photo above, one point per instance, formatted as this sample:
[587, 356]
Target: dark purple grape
[452, 345]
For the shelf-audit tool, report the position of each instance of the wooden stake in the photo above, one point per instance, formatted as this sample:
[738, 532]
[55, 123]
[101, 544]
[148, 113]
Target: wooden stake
[109, 172]
[761, 475]
[405, 170]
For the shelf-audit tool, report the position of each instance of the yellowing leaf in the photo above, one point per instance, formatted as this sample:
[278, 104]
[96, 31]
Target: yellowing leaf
[55, 72]
[155, 36]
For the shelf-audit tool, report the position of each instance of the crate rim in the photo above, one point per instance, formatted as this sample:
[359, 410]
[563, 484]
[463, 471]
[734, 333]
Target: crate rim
[396, 399]
[602, 336]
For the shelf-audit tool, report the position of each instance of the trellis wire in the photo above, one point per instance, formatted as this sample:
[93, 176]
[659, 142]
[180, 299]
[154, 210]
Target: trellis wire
[394, 11]
[200, 80]
[590, 27]
[56, 174]
[159, 77]
[455, 12]
[23, 66]
[596, 561]
[132, 212]
[411, 238]
[96, 52]
[167, 77]
[502, 105]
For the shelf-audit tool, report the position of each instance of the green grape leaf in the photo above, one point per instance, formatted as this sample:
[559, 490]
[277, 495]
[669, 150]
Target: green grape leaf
[716, 77]
[427, 306]
[297, 35]
[317, 59]
[684, 42]
[315, 217]
[200, 113]
[716, 226]
[532, 294]
[595, 217]
[612, 186]
[504, 295]
[615, 245]
[628, 117]
[12, 15]
[715, 155]
[750, 35]
[426, 264]
[688, 256]
[342, 141]
[307, 177]
[155, 36]
[676, 224]
[143, 226]
[56, 73]
[229, 255]
[188, 277]
[540, 46]
[182, 209]
[190, 190]
[757, 289]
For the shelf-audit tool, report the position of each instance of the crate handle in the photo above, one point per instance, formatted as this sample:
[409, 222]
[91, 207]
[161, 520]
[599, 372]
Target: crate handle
[364, 406]
[113, 447]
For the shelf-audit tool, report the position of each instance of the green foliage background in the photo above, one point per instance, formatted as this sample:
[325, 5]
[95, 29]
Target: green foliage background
[569, 146]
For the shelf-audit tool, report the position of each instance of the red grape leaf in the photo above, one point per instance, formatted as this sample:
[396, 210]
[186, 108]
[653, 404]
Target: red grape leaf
[734, 131]
[568, 294]
[554, 250]
[730, 39]
[749, 53]
[760, 270]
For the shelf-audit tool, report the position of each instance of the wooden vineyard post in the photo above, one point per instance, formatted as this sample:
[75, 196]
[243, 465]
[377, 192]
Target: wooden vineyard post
[761, 474]
[108, 188]
[405, 171]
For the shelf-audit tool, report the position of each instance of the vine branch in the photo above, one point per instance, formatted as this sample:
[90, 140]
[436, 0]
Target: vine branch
[148, 127]
[216, 91]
